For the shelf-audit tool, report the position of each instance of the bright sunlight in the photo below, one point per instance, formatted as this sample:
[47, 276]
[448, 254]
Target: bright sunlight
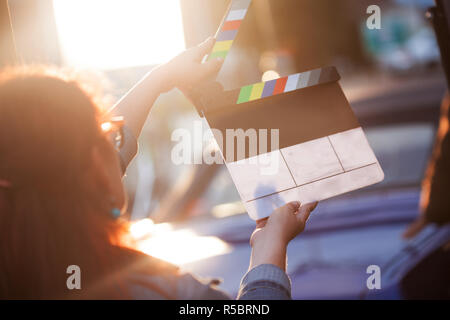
[176, 246]
[111, 34]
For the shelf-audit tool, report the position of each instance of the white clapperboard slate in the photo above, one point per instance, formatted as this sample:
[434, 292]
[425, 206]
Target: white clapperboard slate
[323, 151]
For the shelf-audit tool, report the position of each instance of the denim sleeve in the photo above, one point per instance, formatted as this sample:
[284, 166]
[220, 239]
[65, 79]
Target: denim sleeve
[129, 148]
[265, 282]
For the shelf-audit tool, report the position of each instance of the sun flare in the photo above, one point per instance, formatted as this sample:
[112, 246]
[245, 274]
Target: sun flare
[109, 34]
[176, 246]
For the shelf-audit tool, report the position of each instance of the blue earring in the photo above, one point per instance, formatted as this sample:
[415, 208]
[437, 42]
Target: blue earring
[115, 212]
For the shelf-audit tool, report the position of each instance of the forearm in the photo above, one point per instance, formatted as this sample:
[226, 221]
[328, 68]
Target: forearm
[136, 104]
[182, 71]
[268, 252]
[134, 107]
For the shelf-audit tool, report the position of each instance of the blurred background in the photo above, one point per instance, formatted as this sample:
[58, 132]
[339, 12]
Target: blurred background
[191, 214]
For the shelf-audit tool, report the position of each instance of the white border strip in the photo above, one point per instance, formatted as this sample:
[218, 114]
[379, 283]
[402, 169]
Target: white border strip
[236, 14]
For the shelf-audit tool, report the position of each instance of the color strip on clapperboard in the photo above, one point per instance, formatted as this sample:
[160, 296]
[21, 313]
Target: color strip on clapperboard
[229, 28]
[286, 84]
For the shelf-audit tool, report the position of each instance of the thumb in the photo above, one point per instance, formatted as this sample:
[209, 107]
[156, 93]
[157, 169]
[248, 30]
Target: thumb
[305, 210]
[290, 207]
[205, 47]
[210, 67]
[261, 223]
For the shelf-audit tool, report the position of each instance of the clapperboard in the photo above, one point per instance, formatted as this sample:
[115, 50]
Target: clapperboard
[322, 150]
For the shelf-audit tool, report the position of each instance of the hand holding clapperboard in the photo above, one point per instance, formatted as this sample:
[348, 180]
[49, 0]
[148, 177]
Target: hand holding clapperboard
[322, 150]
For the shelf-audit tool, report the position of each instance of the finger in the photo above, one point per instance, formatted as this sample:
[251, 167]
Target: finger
[209, 68]
[305, 211]
[261, 223]
[205, 47]
[290, 207]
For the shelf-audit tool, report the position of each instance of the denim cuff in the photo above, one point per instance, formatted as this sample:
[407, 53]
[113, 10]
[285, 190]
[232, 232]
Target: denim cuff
[266, 277]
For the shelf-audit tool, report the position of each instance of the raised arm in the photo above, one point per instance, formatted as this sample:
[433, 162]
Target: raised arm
[183, 71]
[267, 278]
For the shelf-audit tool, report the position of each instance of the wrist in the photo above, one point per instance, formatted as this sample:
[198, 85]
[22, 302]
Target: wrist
[264, 239]
[163, 78]
[268, 251]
